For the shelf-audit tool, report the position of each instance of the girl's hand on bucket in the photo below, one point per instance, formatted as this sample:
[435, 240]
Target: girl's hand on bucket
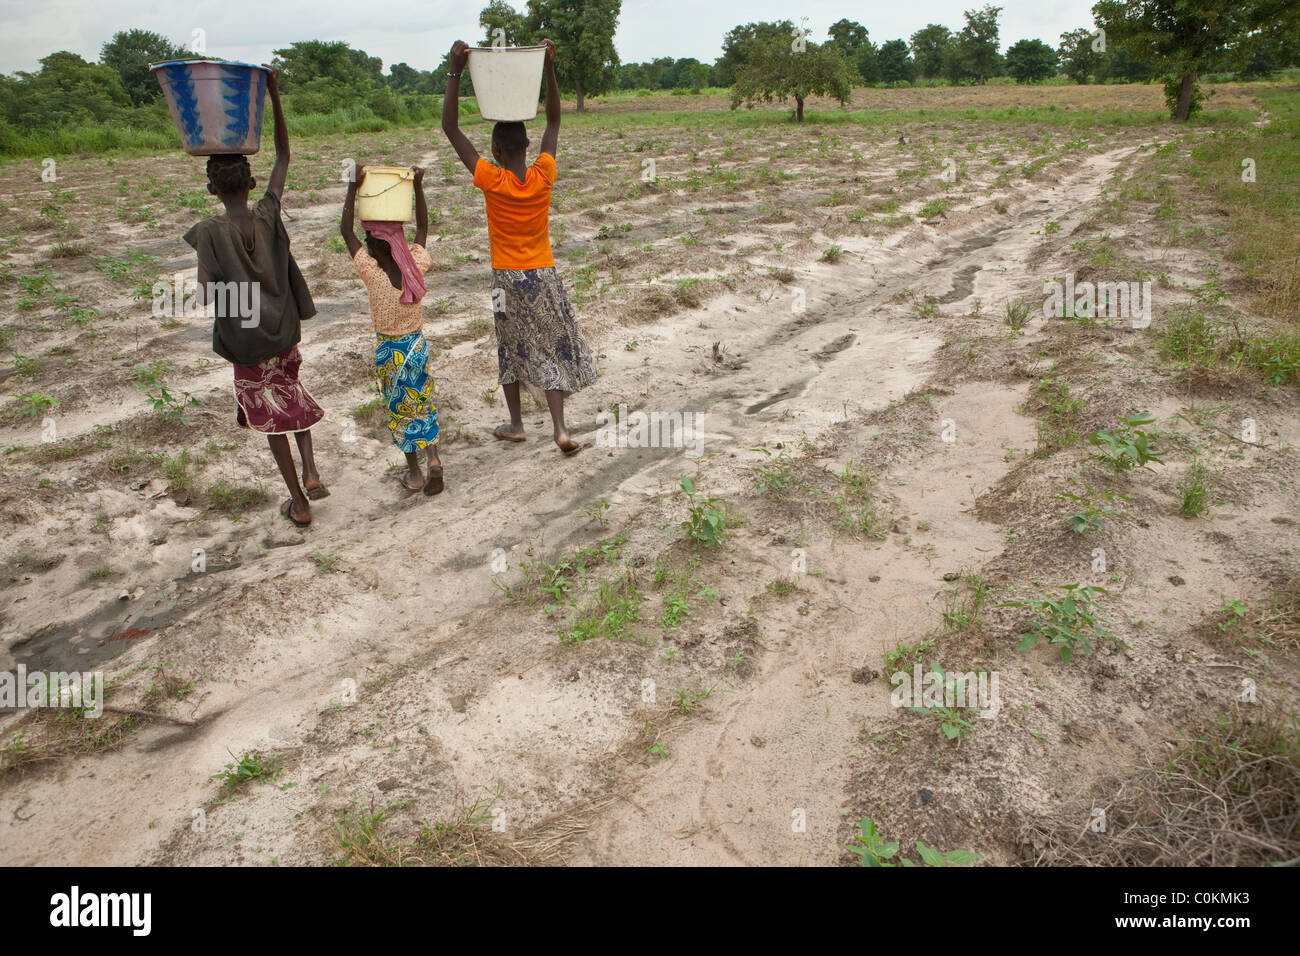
[550, 51]
[418, 172]
[272, 81]
[459, 56]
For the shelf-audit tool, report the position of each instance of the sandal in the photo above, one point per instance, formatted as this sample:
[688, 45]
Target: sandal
[286, 510]
[434, 483]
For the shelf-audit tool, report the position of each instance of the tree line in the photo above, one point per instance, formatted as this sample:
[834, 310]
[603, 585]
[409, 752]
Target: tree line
[1175, 42]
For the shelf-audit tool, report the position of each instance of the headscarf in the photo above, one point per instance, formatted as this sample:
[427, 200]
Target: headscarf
[393, 234]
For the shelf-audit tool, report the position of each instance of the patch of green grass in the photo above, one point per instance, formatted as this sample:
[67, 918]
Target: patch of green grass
[1194, 489]
[130, 268]
[251, 766]
[326, 563]
[1059, 416]
[27, 367]
[616, 608]
[905, 656]
[1017, 314]
[937, 205]
[151, 375]
[676, 609]
[782, 587]
[232, 499]
[856, 511]
[1191, 340]
[777, 476]
[181, 472]
[963, 606]
[1264, 210]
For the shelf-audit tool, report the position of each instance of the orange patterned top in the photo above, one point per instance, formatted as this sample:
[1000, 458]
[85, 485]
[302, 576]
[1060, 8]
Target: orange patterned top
[390, 314]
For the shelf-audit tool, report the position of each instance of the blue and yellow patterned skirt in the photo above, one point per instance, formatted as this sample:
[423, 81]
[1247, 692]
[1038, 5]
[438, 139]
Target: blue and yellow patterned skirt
[402, 376]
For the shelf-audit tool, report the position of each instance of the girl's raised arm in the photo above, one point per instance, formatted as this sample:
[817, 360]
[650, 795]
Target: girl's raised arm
[345, 222]
[280, 171]
[551, 137]
[421, 208]
[456, 62]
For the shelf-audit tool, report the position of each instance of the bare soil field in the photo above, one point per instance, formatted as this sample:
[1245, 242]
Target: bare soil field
[540, 665]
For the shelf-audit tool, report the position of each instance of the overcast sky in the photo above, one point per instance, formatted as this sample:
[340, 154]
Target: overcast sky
[420, 32]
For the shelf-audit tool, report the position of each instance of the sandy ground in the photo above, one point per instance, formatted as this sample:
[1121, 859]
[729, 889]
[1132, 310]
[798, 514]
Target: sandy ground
[402, 663]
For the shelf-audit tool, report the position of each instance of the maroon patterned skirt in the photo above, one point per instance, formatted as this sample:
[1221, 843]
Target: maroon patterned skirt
[270, 399]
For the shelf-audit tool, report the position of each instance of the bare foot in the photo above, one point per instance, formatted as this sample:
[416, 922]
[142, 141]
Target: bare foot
[567, 444]
[509, 432]
[412, 480]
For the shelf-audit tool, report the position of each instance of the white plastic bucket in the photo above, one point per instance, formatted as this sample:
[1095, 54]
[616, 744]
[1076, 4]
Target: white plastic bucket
[386, 194]
[216, 105]
[507, 81]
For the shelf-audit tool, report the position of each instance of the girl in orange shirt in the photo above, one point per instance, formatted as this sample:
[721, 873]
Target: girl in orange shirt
[538, 339]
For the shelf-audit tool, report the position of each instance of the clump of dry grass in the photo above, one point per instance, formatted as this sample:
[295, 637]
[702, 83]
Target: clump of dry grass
[1275, 623]
[463, 839]
[54, 732]
[1228, 797]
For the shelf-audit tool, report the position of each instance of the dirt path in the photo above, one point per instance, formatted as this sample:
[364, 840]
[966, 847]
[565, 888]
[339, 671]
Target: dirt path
[415, 606]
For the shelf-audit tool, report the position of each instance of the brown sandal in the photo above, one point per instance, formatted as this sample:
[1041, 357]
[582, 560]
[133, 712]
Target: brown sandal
[286, 509]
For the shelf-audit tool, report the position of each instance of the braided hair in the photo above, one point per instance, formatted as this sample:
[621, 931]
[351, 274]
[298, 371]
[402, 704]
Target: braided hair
[229, 173]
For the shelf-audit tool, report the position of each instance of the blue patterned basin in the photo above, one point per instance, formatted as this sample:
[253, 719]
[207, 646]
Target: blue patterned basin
[216, 105]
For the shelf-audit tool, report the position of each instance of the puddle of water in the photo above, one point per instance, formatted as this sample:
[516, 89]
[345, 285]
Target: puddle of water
[95, 639]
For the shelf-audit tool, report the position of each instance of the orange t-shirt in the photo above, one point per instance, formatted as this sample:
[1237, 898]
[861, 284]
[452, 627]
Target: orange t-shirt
[518, 214]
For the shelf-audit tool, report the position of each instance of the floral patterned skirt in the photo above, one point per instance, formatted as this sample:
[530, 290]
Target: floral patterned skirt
[402, 376]
[270, 399]
[538, 339]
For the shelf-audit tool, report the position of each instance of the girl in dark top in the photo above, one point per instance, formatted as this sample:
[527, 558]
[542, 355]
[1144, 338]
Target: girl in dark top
[260, 299]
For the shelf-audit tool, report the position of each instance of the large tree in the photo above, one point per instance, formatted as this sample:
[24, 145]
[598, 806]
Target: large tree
[776, 71]
[740, 40]
[929, 45]
[852, 39]
[308, 60]
[66, 91]
[130, 52]
[848, 35]
[1030, 61]
[1182, 39]
[868, 62]
[583, 31]
[1081, 55]
[895, 63]
[978, 41]
[514, 27]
